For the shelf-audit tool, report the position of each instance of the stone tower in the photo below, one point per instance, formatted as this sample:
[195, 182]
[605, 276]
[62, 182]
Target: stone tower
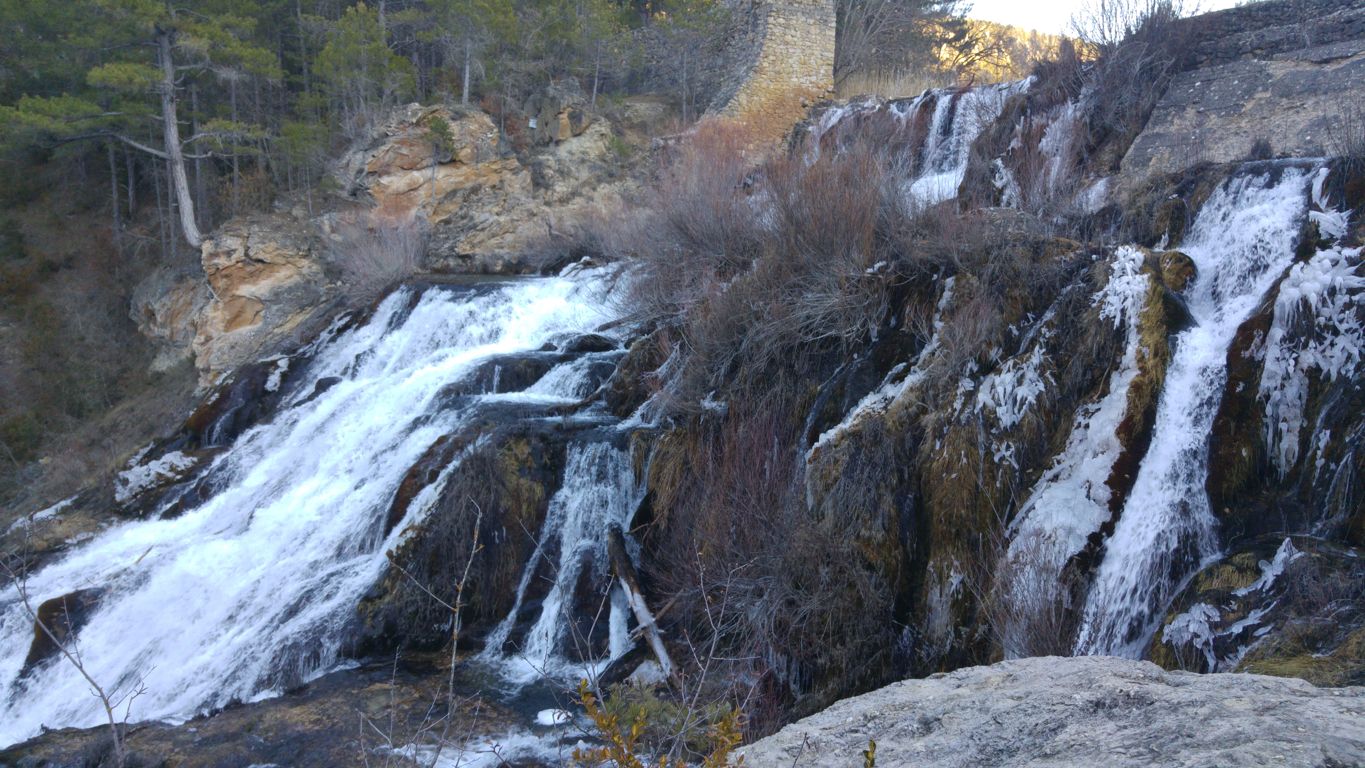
[786, 52]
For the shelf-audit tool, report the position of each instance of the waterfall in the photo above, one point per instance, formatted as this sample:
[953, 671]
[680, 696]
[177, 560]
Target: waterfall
[1071, 500]
[1241, 242]
[932, 133]
[959, 117]
[598, 491]
[256, 588]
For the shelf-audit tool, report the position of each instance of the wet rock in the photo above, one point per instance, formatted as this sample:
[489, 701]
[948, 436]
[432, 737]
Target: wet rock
[505, 373]
[317, 725]
[1177, 270]
[629, 387]
[1079, 711]
[591, 342]
[505, 486]
[1276, 605]
[56, 624]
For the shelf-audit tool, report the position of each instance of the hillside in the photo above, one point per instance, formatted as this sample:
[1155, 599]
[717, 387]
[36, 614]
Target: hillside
[565, 437]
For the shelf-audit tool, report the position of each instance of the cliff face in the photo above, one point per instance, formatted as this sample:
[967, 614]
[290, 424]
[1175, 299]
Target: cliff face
[269, 279]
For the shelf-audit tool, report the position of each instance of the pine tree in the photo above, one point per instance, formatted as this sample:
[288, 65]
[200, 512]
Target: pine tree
[139, 55]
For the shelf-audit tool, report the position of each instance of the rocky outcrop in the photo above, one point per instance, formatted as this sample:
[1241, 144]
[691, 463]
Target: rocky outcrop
[1296, 102]
[482, 207]
[1080, 711]
[265, 277]
[489, 210]
[261, 278]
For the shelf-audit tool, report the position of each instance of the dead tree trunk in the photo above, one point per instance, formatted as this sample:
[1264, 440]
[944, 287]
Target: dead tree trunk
[630, 582]
[175, 155]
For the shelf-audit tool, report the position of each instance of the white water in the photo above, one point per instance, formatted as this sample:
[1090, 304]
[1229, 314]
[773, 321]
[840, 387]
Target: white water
[959, 116]
[1241, 242]
[958, 120]
[598, 491]
[1071, 500]
[256, 588]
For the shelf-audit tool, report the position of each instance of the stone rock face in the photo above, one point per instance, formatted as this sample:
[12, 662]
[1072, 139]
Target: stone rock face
[265, 277]
[1080, 711]
[560, 112]
[1217, 112]
[486, 207]
[167, 307]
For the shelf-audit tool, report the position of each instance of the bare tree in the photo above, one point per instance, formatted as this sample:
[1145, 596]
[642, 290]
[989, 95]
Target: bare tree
[112, 700]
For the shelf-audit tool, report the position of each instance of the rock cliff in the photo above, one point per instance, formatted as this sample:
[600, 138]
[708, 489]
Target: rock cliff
[485, 209]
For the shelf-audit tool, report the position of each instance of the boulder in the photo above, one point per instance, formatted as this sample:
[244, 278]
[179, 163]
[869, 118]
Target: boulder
[1079, 711]
[57, 622]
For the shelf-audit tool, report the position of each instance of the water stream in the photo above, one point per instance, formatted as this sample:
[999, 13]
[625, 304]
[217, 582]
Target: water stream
[1241, 242]
[255, 589]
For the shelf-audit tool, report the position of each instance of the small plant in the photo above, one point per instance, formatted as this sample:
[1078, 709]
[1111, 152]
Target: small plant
[635, 722]
[1261, 150]
[439, 134]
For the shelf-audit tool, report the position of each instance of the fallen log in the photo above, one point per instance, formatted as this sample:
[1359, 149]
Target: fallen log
[630, 582]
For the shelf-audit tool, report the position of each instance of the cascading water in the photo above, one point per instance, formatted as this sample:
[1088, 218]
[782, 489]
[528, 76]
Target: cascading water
[598, 491]
[934, 131]
[1071, 500]
[1241, 242]
[255, 589]
[958, 119]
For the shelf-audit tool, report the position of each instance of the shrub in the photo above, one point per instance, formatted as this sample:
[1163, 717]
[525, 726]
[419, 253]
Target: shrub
[1346, 133]
[1261, 150]
[634, 721]
[375, 250]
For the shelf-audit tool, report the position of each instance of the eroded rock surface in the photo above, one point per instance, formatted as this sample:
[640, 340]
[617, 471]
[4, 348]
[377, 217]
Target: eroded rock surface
[1080, 711]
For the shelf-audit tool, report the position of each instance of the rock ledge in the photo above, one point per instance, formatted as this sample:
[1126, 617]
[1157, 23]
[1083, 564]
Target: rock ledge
[1080, 711]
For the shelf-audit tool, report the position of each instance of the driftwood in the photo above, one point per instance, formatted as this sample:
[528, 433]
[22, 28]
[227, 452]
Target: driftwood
[630, 582]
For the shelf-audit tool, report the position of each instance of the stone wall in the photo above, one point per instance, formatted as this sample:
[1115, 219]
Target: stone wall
[789, 56]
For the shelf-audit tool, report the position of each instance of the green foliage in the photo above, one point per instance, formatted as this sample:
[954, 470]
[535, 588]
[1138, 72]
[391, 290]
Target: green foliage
[358, 70]
[440, 135]
[131, 76]
[636, 721]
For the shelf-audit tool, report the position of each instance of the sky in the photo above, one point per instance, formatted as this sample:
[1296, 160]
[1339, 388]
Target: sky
[1053, 16]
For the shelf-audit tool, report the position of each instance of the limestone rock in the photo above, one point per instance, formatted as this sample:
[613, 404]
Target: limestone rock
[1217, 113]
[1080, 711]
[559, 112]
[166, 307]
[488, 210]
[265, 277]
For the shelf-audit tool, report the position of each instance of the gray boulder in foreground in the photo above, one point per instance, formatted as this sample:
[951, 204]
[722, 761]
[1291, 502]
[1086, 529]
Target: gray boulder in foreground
[1088, 711]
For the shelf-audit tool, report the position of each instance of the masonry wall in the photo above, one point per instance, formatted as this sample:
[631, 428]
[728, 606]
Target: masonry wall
[790, 58]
